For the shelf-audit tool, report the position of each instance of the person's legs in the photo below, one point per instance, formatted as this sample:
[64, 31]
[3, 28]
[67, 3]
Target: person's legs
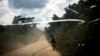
[53, 46]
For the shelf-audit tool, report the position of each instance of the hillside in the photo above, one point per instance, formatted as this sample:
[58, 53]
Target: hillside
[16, 36]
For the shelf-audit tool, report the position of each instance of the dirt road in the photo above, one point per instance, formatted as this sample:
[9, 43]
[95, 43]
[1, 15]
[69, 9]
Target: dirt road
[39, 48]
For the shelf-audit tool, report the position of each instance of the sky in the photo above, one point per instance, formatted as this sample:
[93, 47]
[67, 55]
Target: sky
[42, 10]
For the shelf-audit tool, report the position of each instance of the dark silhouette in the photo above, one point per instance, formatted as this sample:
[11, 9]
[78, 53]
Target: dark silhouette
[21, 19]
[70, 34]
[53, 41]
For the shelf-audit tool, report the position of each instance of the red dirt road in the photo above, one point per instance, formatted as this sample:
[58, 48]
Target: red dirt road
[39, 48]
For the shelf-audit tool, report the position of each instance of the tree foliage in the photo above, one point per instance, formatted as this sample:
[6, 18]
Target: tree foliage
[70, 34]
[20, 19]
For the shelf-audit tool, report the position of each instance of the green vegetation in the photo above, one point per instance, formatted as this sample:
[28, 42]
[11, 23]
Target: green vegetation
[70, 34]
[16, 36]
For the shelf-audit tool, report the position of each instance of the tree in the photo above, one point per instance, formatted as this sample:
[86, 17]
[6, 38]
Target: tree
[20, 19]
[70, 34]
